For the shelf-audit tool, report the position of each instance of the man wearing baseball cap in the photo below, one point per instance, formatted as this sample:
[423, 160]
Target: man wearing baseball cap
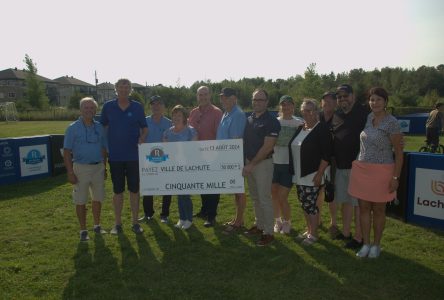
[348, 122]
[157, 123]
[232, 126]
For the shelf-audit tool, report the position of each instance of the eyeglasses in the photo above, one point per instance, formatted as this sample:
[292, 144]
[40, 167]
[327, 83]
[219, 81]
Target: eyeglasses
[259, 100]
[92, 137]
[342, 96]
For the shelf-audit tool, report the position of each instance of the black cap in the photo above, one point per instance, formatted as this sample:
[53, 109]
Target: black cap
[346, 88]
[331, 94]
[227, 92]
[155, 98]
[286, 98]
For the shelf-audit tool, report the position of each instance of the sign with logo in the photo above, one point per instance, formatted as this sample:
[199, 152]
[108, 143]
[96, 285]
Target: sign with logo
[8, 170]
[429, 193]
[33, 160]
[405, 125]
[196, 167]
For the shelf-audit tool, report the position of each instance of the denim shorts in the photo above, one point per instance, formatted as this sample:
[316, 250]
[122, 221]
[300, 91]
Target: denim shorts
[282, 176]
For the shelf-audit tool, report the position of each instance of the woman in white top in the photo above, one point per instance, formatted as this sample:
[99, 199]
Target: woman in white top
[282, 179]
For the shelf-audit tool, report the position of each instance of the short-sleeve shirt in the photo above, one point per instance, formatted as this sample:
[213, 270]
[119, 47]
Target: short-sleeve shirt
[256, 129]
[123, 129]
[85, 142]
[205, 120]
[232, 124]
[186, 134]
[376, 146]
[156, 129]
[288, 128]
[346, 130]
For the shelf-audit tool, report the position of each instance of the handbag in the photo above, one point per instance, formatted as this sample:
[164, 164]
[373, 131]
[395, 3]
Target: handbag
[329, 190]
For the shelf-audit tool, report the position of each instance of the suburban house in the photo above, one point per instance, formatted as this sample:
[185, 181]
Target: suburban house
[68, 86]
[13, 86]
[105, 92]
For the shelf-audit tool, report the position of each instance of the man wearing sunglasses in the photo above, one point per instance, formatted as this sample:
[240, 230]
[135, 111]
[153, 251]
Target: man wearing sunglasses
[84, 154]
[348, 122]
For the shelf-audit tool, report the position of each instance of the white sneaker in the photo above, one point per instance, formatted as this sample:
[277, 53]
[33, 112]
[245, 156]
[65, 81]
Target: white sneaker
[179, 224]
[364, 251]
[187, 224]
[286, 227]
[374, 252]
[277, 226]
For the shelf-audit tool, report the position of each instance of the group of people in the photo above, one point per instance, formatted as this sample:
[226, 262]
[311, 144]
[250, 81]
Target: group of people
[357, 146]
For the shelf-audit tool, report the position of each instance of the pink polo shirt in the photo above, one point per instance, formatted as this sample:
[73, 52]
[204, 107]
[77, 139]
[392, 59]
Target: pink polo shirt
[205, 120]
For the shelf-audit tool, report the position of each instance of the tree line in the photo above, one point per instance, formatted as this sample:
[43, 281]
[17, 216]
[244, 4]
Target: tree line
[414, 88]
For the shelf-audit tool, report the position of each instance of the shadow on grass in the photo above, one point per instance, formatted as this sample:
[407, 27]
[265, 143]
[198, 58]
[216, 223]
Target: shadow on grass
[31, 188]
[375, 278]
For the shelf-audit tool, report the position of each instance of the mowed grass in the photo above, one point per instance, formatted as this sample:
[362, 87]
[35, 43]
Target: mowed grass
[41, 256]
[30, 128]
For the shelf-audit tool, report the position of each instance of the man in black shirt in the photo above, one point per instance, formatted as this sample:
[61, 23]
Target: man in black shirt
[347, 123]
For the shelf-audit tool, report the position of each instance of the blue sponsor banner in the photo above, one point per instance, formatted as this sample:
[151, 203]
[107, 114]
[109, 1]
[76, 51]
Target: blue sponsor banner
[24, 159]
[425, 204]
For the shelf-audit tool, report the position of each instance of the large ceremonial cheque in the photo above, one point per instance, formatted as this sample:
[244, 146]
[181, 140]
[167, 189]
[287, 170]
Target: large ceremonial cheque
[197, 167]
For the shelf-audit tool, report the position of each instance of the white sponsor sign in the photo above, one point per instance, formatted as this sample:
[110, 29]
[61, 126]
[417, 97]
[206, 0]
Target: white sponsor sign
[33, 160]
[429, 193]
[197, 167]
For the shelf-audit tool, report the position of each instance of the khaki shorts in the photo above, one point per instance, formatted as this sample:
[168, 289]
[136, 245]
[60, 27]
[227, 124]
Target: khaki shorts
[90, 180]
[342, 178]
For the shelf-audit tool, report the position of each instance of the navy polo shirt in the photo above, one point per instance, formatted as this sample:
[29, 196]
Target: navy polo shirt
[256, 130]
[123, 129]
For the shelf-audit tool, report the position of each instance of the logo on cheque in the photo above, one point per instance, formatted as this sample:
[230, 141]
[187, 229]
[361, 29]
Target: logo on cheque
[33, 157]
[157, 155]
[437, 187]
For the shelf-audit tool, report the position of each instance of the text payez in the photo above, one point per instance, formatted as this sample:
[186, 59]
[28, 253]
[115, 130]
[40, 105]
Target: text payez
[219, 147]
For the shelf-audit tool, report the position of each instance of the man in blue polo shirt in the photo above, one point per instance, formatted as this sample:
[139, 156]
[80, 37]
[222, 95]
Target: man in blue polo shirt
[157, 124]
[84, 155]
[124, 120]
[261, 132]
[232, 126]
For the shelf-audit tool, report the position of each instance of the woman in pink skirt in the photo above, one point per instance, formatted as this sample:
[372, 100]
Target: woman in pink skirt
[375, 174]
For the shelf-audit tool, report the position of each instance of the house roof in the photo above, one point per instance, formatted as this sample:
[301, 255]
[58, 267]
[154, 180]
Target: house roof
[71, 81]
[16, 74]
[105, 85]
[136, 85]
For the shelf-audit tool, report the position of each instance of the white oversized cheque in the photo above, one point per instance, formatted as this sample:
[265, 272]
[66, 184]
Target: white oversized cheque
[196, 167]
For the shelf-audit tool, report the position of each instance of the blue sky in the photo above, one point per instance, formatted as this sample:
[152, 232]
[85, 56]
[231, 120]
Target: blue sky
[179, 42]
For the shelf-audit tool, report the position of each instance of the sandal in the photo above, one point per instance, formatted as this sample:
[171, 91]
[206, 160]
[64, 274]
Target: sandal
[232, 229]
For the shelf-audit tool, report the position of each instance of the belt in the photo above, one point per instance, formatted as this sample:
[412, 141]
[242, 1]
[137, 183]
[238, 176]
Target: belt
[94, 163]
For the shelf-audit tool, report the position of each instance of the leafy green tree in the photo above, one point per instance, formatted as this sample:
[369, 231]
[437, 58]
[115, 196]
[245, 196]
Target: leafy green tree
[137, 96]
[74, 100]
[35, 89]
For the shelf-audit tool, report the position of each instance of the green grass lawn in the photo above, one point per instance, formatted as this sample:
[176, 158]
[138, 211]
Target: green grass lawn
[41, 256]
[29, 128]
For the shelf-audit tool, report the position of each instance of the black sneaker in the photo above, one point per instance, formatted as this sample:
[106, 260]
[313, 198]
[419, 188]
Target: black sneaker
[117, 229]
[210, 223]
[201, 215]
[84, 236]
[98, 230]
[342, 237]
[354, 244]
[146, 218]
[137, 229]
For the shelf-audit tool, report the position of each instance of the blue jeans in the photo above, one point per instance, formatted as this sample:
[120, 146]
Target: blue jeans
[185, 207]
